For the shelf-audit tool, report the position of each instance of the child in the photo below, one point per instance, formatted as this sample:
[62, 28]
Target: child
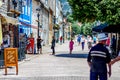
[71, 43]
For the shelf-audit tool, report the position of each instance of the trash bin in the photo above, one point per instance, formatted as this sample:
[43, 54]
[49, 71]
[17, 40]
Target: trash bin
[21, 53]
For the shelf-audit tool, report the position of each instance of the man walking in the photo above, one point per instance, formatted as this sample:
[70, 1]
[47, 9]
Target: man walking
[98, 59]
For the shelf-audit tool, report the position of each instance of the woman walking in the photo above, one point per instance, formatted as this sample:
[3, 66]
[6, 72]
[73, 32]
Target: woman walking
[71, 43]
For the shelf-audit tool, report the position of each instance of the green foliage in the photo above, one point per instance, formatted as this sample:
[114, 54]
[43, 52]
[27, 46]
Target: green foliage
[91, 10]
[109, 11]
[70, 19]
[76, 28]
[83, 10]
[86, 29]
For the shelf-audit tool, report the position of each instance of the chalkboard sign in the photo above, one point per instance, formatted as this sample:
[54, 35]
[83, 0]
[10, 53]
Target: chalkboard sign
[11, 58]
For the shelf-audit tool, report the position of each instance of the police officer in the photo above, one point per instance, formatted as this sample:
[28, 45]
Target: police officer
[98, 59]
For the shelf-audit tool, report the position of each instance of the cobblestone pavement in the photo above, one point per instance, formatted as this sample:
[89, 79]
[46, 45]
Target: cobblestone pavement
[61, 66]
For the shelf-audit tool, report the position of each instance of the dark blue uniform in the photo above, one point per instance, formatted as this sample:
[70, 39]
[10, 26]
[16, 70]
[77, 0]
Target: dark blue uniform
[98, 56]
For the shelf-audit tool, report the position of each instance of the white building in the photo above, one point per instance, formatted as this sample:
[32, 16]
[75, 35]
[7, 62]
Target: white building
[59, 19]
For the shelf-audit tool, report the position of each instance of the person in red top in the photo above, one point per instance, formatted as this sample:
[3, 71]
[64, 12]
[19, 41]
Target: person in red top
[108, 42]
[71, 43]
[61, 40]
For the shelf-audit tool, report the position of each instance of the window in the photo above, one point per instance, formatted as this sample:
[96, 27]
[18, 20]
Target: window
[46, 1]
[8, 6]
[28, 11]
[23, 10]
[3, 0]
[20, 6]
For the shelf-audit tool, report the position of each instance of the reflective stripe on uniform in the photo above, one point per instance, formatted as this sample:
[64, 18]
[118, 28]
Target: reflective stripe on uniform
[98, 53]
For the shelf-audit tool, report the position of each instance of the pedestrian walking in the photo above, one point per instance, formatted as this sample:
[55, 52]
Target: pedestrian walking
[71, 43]
[98, 59]
[53, 45]
[83, 41]
[61, 40]
[39, 46]
[89, 41]
[94, 39]
[113, 46]
[78, 39]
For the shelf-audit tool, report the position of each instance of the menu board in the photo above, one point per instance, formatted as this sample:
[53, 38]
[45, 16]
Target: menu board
[11, 58]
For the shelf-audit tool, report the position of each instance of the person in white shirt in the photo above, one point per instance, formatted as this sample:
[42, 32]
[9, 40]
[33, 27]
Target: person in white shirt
[6, 40]
[83, 41]
[89, 41]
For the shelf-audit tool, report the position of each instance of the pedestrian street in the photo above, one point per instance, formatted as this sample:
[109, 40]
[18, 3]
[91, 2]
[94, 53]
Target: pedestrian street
[61, 66]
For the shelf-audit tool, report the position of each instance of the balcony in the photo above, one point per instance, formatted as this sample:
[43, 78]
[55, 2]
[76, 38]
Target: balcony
[15, 8]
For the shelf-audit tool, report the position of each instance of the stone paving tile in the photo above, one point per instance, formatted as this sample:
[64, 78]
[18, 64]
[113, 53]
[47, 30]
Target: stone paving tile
[49, 78]
[54, 78]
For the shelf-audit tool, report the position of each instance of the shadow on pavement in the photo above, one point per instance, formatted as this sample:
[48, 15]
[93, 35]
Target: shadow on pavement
[72, 55]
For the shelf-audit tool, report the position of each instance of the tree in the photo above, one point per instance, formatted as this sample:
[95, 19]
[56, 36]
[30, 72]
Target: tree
[70, 18]
[91, 10]
[75, 28]
[86, 29]
[109, 11]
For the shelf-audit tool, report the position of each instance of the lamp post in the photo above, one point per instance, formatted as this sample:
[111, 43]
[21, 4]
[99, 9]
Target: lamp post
[38, 15]
[63, 31]
[54, 25]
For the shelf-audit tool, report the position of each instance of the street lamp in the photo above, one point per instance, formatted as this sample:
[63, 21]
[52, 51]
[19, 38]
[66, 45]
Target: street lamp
[38, 15]
[54, 25]
[63, 31]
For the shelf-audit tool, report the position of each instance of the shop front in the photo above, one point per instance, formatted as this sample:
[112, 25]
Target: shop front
[8, 34]
[9, 26]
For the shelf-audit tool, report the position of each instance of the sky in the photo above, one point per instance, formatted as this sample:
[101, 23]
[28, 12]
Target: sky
[65, 6]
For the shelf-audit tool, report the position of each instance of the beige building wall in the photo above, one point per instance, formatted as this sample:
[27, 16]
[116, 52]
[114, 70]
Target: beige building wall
[34, 18]
[52, 11]
[43, 19]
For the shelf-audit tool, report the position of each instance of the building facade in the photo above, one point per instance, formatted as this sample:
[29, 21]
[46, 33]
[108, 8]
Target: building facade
[9, 12]
[25, 17]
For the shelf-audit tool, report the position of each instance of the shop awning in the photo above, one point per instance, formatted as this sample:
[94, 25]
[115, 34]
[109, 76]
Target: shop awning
[112, 28]
[8, 19]
[100, 28]
[107, 28]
